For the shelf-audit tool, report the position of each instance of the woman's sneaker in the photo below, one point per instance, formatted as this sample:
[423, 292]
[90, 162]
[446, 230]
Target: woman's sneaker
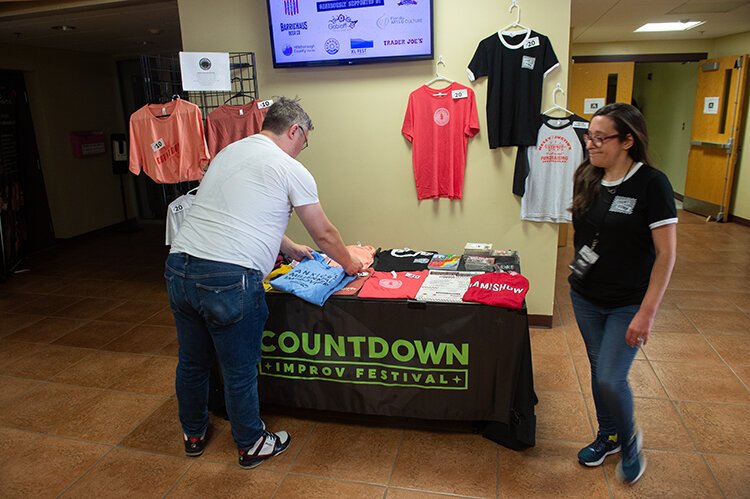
[268, 445]
[594, 453]
[633, 463]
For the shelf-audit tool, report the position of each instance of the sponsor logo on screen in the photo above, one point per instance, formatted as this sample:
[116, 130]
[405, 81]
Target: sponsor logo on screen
[403, 41]
[332, 46]
[408, 2]
[342, 23]
[359, 43]
[291, 7]
[293, 29]
[385, 20]
[298, 49]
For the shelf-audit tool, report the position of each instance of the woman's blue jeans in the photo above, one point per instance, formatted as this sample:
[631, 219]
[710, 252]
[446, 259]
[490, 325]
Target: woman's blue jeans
[603, 330]
[220, 310]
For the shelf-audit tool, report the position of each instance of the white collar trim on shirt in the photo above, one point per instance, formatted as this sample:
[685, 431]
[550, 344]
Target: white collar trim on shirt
[516, 33]
[612, 183]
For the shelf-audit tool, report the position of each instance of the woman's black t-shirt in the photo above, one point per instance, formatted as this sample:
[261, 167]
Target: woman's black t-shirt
[624, 214]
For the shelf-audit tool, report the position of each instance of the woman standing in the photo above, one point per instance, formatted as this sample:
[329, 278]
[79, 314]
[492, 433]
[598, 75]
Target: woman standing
[625, 220]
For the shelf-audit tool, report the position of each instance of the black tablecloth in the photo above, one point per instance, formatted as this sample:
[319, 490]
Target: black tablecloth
[458, 362]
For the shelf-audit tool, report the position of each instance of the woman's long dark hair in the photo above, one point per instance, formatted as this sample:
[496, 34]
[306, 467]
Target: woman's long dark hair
[627, 121]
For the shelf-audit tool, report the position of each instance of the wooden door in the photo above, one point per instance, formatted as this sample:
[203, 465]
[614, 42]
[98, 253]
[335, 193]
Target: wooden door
[717, 123]
[605, 82]
[599, 83]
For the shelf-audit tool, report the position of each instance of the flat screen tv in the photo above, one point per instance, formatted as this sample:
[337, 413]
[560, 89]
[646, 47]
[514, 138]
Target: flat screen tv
[340, 32]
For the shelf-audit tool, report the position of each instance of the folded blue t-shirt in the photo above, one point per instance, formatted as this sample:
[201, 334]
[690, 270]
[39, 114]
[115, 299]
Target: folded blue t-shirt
[313, 280]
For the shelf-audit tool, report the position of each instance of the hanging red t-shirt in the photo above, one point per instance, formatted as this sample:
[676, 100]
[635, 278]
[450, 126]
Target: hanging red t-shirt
[228, 123]
[167, 142]
[394, 285]
[439, 123]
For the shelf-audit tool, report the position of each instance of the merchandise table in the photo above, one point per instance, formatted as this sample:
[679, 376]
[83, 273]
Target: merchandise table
[435, 361]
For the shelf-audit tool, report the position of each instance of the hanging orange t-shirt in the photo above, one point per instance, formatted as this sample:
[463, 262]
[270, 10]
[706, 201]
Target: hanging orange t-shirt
[167, 142]
[227, 124]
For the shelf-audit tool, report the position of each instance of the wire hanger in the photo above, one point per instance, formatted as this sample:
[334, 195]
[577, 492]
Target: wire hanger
[439, 77]
[555, 105]
[240, 93]
[517, 22]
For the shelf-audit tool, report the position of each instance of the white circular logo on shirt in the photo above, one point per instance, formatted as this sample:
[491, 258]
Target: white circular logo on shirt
[390, 283]
[442, 116]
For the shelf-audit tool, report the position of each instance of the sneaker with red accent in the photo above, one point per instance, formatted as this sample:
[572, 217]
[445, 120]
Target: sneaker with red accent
[194, 445]
[268, 445]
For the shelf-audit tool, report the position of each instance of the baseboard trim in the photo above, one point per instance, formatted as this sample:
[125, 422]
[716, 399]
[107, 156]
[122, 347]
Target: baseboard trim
[738, 220]
[544, 321]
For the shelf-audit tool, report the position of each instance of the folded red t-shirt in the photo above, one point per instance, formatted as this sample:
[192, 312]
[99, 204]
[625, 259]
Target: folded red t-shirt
[500, 289]
[395, 285]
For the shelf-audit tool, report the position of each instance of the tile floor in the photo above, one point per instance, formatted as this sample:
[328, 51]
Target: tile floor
[87, 358]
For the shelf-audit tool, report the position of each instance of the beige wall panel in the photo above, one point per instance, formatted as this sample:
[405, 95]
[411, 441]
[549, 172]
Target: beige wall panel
[357, 154]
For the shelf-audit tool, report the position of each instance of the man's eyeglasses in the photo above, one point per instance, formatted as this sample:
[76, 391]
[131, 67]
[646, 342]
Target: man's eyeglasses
[304, 134]
[598, 141]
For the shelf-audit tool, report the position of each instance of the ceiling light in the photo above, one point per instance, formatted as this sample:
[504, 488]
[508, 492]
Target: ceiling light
[675, 26]
[64, 27]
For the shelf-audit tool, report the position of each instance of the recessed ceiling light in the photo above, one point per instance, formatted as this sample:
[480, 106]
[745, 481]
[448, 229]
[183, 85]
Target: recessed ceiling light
[64, 27]
[676, 26]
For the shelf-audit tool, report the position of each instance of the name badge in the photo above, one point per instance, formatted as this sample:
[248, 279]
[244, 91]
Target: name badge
[528, 62]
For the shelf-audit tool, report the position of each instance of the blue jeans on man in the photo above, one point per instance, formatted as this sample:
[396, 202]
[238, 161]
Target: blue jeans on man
[219, 310]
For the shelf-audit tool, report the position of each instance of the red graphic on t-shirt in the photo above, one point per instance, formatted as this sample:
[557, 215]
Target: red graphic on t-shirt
[555, 149]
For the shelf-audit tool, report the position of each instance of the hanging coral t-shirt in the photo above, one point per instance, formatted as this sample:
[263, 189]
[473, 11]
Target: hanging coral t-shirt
[167, 142]
[228, 123]
[439, 123]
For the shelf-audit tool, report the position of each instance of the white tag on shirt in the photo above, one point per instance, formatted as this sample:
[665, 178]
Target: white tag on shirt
[264, 104]
[177, 208]
[624, 205]
[528, 62]
[531, 42]
[159, 144]
[460, 94]
[581, 124]
[412, 276]
[242, 112]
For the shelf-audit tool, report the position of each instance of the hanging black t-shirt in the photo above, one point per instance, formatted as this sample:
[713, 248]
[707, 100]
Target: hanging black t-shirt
[401, 259]
[643, 202]
[516, 64]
